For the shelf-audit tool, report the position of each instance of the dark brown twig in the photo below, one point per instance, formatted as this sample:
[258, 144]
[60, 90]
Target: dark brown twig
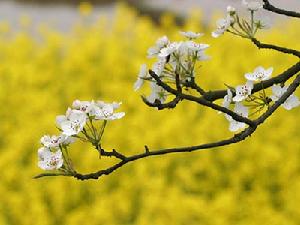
[206, 99]
[201, 101]
[113, 153]
[268, 6]
[192, 84]
[235, 139]
[157, 104]
[281, 78]
[276, 48]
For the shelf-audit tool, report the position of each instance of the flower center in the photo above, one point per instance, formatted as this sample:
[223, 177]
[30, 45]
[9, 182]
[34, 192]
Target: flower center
[244, 91]
[54, 161]
[107, 113]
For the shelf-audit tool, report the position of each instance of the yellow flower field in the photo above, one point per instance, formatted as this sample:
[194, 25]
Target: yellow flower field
[251, 183]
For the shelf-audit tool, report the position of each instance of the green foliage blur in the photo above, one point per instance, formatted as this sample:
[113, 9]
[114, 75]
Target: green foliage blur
[250, 183]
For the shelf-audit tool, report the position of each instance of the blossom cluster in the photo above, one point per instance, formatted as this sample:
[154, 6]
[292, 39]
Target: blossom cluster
[172, 58]
[243, 27]
[79, 122]
[178, 59]
[242, 97]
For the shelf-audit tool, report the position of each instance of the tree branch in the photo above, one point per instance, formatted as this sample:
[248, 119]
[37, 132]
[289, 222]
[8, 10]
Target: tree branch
[268, 6]
[281, 78]
[157, 104]
[201, 101]
[192, 84]
[113, 153]
[235, 139]
[276, 48]
[291, 89]
[205, 99]
[53, 175]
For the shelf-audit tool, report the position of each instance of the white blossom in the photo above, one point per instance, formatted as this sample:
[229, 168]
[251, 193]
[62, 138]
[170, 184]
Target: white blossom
[114, 105]
[83, 106]
[169, 49]
[72, 123]
[54, 141]
[201, 56]
[222, 26]
[252, 5]
[182, 50]
[196, 46]
[291, 102]
[191, 34]
[50, 160]
[243, 91]
[105, 111]
[259, 74]
[173, 62]
[157, 92]
[227, 100]
[158, 67]
[241, 110]
[141, 77]
[231, 10]
[160, 43]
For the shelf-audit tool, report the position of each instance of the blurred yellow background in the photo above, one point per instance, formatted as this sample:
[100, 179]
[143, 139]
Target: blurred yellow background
[250, 183]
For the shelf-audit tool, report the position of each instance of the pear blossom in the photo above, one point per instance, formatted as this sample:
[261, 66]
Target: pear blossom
[252, 5]
[196, 46]
[169, 49]
[158, 67]
[50, 160]
[173, 58]
[54, 141]
[241, 110]
[259, 74]
[173, 61]
[83, 106]
[222, 26]
[114, 105]
[105, 111]
[231, 10]
[160, 43]
[201, 56]
[227, 100]
[88, 107]
[243, 91]
[182, 50]
[163, 41]
[141, 77]
[291, 102]
[158, 93]
[72, 123]
[191, 34]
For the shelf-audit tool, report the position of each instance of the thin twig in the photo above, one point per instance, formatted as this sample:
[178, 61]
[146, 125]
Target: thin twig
[235, 139]
[276, 48]
[206, 99]
[113, 153]
[201, 101]
[291, 89]
[157, 104]
[268, 6]
[192, 84]
[281, 78]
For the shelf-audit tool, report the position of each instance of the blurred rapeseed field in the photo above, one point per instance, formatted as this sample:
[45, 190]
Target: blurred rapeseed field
[254, 182]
